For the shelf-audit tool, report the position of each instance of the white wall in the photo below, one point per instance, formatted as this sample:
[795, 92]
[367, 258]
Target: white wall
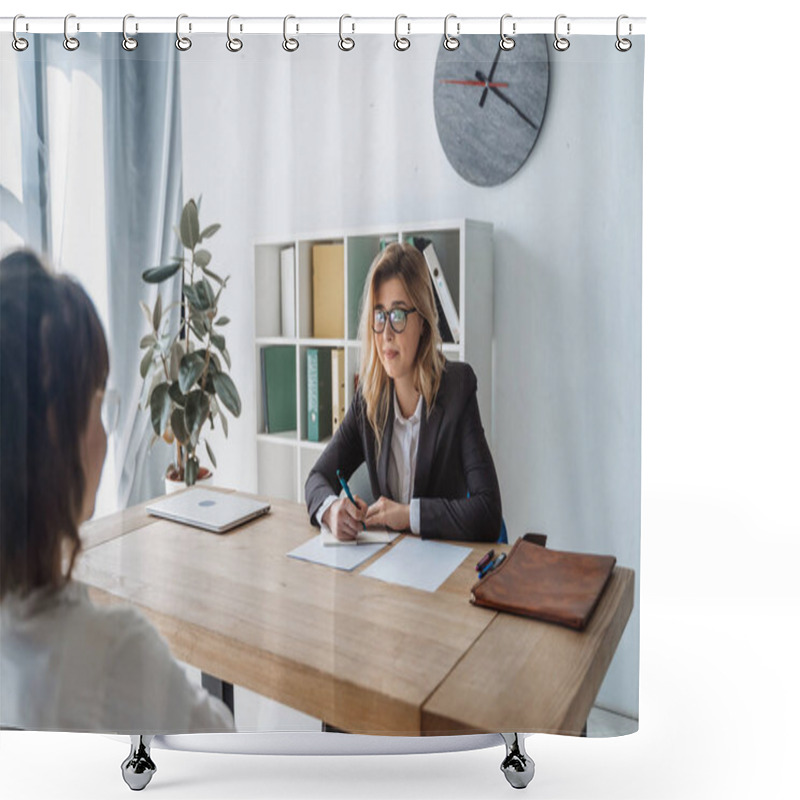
[280, 144]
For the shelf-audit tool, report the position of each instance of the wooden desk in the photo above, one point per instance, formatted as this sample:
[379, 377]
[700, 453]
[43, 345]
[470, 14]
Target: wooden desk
[364, 655]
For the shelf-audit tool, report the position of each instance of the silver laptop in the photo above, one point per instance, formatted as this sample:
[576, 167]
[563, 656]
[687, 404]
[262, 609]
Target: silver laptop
[212, 511]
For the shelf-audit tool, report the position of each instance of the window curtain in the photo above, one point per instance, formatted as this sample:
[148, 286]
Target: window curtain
[142, 145]
[91, 178]
[23, 168]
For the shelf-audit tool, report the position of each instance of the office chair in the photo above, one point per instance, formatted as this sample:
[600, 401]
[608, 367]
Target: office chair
[503, 537]
[534, 538]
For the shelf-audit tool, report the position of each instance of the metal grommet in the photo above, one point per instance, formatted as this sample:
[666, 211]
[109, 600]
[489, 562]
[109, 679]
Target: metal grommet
[18, 43]
[451, 42]
[289, 45]
[70, 42]
[506, 42]
[561, 43]
[346, 43]
[183, 43]
[400, 42]
[623, 45]
[234, 45]
[128, 43]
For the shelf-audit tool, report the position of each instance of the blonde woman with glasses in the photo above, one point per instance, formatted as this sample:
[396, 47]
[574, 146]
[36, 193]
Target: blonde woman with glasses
[414, 420]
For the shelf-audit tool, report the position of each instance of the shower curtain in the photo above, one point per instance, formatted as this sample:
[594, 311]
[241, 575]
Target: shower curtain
[281, 173]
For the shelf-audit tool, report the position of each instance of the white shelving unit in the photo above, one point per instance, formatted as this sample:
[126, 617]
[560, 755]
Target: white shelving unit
[465, 250]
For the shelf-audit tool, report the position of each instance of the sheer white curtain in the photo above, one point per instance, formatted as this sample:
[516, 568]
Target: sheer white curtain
[12, 208]
[142, 145]
[53, 174]
[90, 178]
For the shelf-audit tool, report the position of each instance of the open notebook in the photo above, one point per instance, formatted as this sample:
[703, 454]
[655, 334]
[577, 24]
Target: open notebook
[375, 536]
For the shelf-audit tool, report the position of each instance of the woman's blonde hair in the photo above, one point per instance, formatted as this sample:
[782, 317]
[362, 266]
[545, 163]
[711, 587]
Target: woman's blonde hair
[405, 262]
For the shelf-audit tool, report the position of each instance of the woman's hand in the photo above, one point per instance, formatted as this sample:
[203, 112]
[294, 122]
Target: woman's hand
[385, 513]
[345, 519]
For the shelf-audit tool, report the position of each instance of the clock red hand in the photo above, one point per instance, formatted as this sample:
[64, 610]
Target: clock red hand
[476, 83]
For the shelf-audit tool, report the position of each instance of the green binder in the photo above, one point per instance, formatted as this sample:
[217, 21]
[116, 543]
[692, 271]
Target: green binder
[280, 388]
[320, 397]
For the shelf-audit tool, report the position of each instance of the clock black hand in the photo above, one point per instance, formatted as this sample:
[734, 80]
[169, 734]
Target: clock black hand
[491, 75]
[481, 77]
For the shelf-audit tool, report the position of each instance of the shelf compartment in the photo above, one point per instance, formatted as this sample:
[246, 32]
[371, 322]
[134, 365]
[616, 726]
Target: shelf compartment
[446, 243]
[277, 469]
[267, 289]
[306, 294]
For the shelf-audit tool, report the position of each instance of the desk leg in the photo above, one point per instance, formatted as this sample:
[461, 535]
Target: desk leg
[138, 768]
[518, 766]
[222, 690]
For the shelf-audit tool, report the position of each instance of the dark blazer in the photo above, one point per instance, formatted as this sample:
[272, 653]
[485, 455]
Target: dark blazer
[453, 460]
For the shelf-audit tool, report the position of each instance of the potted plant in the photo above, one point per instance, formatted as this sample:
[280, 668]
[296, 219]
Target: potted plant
[184, 383]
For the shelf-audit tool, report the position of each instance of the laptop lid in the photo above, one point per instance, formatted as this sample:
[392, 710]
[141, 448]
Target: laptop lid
[212, 511]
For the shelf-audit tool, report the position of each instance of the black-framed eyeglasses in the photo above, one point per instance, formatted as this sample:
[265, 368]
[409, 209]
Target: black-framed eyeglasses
[398, 318]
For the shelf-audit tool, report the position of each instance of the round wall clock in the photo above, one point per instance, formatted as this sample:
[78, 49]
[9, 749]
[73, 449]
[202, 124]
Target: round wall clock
[489, 104]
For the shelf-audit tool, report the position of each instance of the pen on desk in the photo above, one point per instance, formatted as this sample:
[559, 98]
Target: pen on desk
[494, 565]
[485, 560]
[348, 492]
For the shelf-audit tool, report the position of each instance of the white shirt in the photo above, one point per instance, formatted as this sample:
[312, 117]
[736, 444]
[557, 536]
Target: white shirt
[68, 665]
[402, 464]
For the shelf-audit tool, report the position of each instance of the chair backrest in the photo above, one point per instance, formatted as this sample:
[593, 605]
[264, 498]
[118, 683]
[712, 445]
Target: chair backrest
[503, 537]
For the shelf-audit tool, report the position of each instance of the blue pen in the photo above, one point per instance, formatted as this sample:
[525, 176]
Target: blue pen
[348, 492]
[489, 567]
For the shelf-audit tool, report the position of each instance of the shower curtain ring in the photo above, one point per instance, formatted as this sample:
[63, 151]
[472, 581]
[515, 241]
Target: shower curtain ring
[18, 43]
[70, 42]
[400, 42]
[561, 43]
[506, 42]
[289, 45]
[234, 45]
[128, 43]
[183, 43]
[346, 43]
[623, 45]
[451, 42]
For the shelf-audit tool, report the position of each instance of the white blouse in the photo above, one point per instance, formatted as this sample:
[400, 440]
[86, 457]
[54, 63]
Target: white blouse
[69, 665]
[403, 459]
[402, 464]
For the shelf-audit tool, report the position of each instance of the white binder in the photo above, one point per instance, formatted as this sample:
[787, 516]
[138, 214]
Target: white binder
[445, 298]
[287, 292]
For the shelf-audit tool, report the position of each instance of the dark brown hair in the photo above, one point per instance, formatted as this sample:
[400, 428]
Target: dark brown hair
[53, 358]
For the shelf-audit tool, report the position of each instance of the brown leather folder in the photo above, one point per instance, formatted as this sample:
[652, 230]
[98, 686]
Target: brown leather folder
[552, 585]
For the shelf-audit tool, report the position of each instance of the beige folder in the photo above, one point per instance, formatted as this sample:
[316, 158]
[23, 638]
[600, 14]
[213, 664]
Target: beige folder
[327, 265]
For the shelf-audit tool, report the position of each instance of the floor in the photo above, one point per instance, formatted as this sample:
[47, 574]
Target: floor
[603, 724]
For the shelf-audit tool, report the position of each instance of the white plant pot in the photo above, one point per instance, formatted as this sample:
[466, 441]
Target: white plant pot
[171, 486]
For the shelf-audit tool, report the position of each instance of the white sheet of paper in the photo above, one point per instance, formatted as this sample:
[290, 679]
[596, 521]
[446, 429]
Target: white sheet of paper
[421, 564]
[346, 558]
[377, 536]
